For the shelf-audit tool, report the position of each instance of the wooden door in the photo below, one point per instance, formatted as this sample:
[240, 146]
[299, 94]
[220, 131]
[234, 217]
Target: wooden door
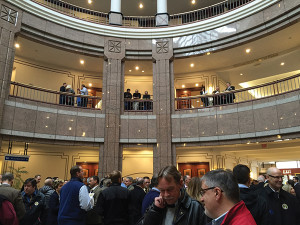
[193, 169]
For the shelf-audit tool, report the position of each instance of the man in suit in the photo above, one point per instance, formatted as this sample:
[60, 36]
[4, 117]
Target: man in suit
[282, 206]
[13, 195]
[229, 98]
[297, 187]
[92, 216]
[137, 197]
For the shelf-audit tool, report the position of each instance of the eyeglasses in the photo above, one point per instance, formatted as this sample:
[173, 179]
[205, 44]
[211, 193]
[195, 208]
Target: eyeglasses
[276, 177]
[202, 191]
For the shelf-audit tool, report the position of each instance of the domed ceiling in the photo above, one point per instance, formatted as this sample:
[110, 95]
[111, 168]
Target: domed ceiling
[131, 7]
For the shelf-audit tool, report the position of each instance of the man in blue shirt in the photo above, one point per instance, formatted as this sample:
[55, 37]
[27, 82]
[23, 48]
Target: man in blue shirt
[74, 200]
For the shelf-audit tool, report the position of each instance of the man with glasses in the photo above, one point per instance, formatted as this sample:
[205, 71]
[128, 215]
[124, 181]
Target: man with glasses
[284, 208]
[221, 200]
[173, 206]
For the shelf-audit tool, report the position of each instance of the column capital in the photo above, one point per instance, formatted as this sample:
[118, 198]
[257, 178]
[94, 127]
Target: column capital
[114, 48]
[162, 49]
[10, 17]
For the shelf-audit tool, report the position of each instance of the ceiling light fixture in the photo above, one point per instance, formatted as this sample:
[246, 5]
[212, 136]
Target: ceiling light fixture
[208, 53]
[282, 64]
[193, 1]
[197, 85]
[90, 84]
[17, 45]
[183, 86]
[143, 71]
[241, 74]
[90, 1]
[141, 6]
[248, 50]
[81, 61]
[137, 68]
[130, 70]
[192, 65]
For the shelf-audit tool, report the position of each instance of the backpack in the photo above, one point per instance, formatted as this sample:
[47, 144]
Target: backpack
[8, 214]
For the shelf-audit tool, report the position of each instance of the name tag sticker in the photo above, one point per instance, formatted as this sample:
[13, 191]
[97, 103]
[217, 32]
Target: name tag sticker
[285, 206]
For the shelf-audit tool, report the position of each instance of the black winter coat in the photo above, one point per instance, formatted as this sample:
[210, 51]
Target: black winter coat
[113, 205]
[256, 205]
[35, 210]
[188, 212]
[284, 210]
[137, 196]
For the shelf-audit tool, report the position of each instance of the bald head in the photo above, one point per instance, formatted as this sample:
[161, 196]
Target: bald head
[49, 182]
[274, 177]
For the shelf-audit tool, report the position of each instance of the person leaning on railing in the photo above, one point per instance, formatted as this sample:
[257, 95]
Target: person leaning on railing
[136, 95]
[62, 98]
[70, 99]
[229, 98]
[127, 96]
[147, 104]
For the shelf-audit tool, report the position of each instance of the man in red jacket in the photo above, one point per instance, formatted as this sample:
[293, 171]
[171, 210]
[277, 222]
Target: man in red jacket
[220, 196]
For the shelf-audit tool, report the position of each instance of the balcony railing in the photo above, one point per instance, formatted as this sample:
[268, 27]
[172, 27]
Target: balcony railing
[138, 105]
[37, 94]
[143, 21]
[243, 95]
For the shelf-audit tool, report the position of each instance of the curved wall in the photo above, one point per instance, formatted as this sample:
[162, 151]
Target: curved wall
[262, 119]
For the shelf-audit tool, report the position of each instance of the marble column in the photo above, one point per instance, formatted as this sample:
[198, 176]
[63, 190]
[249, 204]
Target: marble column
[162, 16]
[10, 24]
[115, 15]
[164, 152]
[113, 77]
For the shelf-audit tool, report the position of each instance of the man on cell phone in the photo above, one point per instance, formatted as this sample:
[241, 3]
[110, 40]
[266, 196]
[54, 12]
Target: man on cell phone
[173, 206]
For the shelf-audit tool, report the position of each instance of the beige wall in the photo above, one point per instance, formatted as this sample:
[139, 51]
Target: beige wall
[137, 163]
[51, 76]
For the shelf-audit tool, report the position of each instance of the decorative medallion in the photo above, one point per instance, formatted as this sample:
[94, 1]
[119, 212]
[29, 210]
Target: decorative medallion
[9, 15]
[114, 46]
[285, 206]
[162, 47]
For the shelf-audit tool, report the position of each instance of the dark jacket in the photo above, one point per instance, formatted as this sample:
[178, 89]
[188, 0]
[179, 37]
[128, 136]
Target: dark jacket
[47, 191]
[297, 190]
[53, 209]
[256, 205]
[113, 205]
[35, 209]
[188, 212]
[283, 210]
[149, 199]
[137, 196]
[14, 196]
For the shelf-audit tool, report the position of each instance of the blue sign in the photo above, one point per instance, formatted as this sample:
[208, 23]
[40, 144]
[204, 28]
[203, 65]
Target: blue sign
[19, 158]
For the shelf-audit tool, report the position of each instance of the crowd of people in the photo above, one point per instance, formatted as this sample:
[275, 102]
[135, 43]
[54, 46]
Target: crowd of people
[218, 98]
[69, 99]
[130, 104]
[220, 197]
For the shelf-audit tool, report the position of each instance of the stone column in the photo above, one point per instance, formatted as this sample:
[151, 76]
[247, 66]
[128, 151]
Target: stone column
[162, 16]
[10, 24]
[113, 77]
[115, 15]
[163, 100]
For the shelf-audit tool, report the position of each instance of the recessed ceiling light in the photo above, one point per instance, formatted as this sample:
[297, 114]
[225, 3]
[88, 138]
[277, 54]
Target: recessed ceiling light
[248, 50]
[137, 68]
[207, 53]
[81, 61]
[143, 71]
[197, 85]
[90, 84]
[282, 64]
[183, 86]
[141, 6]
[130, 70]
[17, 45]
[90, 1]
[241, 74]
[192, 65]
[193, 1]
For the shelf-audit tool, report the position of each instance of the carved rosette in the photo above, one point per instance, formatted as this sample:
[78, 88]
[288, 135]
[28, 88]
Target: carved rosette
[114, 46]
[9, 15]
[162, 47]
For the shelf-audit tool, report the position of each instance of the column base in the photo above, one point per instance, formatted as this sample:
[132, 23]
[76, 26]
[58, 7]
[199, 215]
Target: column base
[115, 18]
[162, 19]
